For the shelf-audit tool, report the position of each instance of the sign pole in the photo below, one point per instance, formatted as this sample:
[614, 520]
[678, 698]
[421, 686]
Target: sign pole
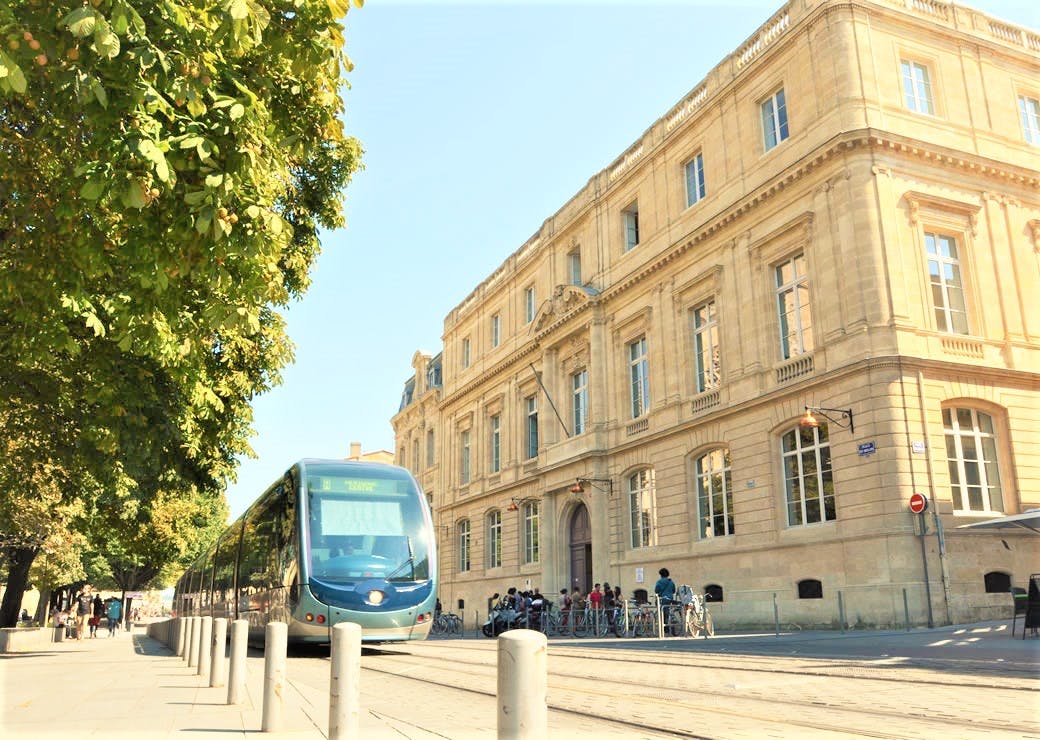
[927, 581]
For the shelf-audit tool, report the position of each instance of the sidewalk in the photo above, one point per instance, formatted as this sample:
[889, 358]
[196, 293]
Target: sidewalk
[133, 684]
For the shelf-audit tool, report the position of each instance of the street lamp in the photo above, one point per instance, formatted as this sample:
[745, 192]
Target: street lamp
[811, 421]
[580, 483]
[514, 502]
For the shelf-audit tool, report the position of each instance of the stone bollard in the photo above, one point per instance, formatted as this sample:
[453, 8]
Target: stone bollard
[237, 674]
[276, 639]
[205, 646]
[345, 686]
[181, 634]
[216, 669]
[193, 641]
[522, 685]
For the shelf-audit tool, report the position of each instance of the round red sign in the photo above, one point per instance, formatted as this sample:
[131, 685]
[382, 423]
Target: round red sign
[918, 503]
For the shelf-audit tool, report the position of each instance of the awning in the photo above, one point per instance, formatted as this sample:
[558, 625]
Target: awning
[1027, 520]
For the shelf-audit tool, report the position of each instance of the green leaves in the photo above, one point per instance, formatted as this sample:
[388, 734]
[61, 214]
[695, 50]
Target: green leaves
[11, 77]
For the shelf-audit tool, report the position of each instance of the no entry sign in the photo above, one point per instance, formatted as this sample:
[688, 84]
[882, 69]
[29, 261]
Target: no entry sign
[918, 503]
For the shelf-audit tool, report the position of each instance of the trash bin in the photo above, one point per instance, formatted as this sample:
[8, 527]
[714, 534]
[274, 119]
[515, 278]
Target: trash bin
[59, 633]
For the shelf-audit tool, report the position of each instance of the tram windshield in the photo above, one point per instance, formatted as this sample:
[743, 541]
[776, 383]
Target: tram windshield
[365, 525]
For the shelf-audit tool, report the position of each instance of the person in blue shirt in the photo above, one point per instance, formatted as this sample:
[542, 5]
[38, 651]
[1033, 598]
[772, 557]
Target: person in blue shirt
[665, 590]
[115, 611]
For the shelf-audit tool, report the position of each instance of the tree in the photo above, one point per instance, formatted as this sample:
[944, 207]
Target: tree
[164, 170]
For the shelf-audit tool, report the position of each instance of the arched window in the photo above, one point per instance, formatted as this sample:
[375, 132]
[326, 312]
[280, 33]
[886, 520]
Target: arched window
[463, 534]
[642, 503]
[971, 452]
[714, 494]
[806, 453]
[810, 588]
[997, 582]
[713, 592]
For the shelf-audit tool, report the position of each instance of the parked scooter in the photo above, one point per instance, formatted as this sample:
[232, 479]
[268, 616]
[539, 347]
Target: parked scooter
[503, 617]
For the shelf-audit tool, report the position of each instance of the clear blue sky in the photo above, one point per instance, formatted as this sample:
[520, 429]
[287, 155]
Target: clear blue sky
[479, 120]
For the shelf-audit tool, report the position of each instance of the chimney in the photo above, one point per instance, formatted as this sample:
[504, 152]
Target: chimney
[355, 451]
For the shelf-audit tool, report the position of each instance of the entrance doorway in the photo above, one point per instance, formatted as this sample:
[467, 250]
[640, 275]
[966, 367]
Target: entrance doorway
[581, 549]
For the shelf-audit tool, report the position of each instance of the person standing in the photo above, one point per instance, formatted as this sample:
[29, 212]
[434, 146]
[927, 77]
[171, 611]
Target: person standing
[97, 610]
[115, 611]
[665, 590]
[83, 603]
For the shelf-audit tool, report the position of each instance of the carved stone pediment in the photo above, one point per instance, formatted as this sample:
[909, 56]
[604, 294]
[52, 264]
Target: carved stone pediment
[564, 299]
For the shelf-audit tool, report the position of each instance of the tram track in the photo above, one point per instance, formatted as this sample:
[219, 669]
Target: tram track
[694, 703]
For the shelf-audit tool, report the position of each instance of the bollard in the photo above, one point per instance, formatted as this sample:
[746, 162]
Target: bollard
[841, 612]
[906, 610]
[237, 674]
[216, 668]
[180, 636]
[193, 647]
[522, 685]
[205, 647]
[276, 639]
[776, 616]
[345, 686]
[187, 638]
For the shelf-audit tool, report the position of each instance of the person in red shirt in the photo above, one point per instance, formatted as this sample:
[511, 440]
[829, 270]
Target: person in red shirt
[596, 598]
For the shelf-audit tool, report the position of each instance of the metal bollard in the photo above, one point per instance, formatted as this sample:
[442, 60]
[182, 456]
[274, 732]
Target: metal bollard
[276, 639]
[841, 612]
[776, 616]
[193, 646]
[906, 610]
[345, 687]
[523, 711]
[181, 634]
[237, 675]
[205, 646]
[216, 668]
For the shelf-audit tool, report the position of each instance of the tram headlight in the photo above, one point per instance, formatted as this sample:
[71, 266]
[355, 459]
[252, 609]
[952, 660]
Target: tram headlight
[375, 597]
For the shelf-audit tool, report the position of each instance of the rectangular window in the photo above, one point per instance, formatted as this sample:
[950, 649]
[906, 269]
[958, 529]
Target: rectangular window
[464, 457]
[574, 268]
[792, 301]
[465, 352]
[1029, 109]
[695, 189]
[806, 455]
[631, 223]
[774, 119]
[415, 454]
[714, 495]
[971, 452]
[430, 448]
[531, 421]
[580, 398]
[638, 376]
[531, 539]
[464, 544]
[494, 525]
[529, 305]
[917, 89]
[642, 501]
[707, 358]
[944, 273]
[495, 424]
[496, 330]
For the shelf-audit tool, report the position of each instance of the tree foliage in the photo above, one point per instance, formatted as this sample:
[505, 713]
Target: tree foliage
[165, 167]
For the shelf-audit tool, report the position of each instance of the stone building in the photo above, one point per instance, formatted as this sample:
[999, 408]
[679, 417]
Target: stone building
[843, 215]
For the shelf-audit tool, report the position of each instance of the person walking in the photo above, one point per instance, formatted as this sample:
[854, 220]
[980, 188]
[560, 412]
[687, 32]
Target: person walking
[97, 610]
[115, 611]
[83, 603]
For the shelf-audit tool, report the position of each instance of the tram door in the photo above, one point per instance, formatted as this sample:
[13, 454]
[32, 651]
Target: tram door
[581, 549]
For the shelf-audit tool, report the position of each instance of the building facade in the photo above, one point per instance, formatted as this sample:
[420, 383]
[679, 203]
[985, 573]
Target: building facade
[843, 215]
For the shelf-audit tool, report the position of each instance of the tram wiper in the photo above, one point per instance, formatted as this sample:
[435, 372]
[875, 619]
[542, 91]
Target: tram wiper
[409, 562]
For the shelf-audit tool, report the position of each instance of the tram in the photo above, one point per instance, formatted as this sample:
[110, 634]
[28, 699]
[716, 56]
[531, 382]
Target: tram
[331, 541]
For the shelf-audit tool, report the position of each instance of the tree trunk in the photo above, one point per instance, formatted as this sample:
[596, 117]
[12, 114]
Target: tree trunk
[19, 560]
[43, 609]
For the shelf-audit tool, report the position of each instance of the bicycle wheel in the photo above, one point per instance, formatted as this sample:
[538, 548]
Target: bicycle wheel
[454, 624]
[620, 623]
[581, 624]
[674, 625]
[709, 625]
[438, 627]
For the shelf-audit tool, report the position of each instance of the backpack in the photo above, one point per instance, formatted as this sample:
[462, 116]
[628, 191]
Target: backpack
[684, 595]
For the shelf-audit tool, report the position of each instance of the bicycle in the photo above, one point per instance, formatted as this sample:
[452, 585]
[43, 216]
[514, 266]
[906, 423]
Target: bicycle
[446, 622]
[697, 617]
